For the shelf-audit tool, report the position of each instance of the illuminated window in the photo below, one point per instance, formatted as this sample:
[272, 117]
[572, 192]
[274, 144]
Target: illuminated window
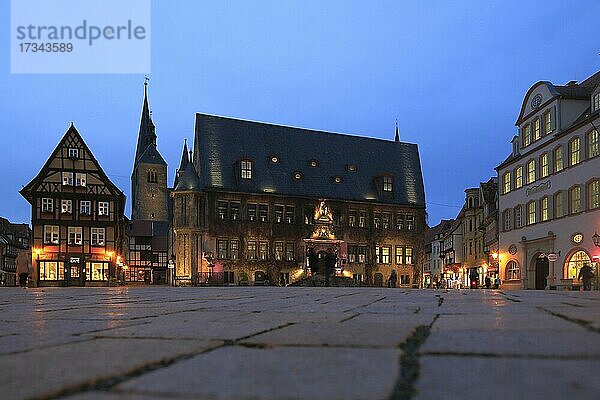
[290, 214]
[536, 129]
[263, 250]
[274, 159]
[519, 177]
[263, 212]
[66, 206]
[506, 182]
[531, 171]
[383, 254]
[385, 220]
[289, 251]
[234, 249]
[313, 163]
[399, 254]
[96, 271]
[387, 184]
[246, 169]
[251, 212]
[527, 135]
[222, 210]
[47, 205]
[337, 179]
[51, 234]
[558, 159]
[351, 167]
[544, 167]
[575, 199]
[51, 271]
[75, 235]
[278, 251]
[559, 205]
[251, 250]
[297, 175]
[594, 194]
[593, 148]
[512, 271]
[577, 260]
[547, 122]
[574, 151]
[531, 213]
[97, 236]
[544, 214]
[222, 249]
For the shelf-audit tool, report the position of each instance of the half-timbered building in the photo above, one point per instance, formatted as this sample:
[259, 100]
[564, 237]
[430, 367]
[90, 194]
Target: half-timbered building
[77, 218]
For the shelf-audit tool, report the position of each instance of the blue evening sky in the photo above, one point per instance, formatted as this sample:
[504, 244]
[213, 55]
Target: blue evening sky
[453, 73]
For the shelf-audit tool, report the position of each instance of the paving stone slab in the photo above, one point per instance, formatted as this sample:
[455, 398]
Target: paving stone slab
[507, 378]
[235, 372]
[44, 372]
[551, 343]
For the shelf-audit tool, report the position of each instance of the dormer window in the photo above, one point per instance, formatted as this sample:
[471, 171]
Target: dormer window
[297, 175]
[274, 159]
[337, 179]
[596, 102]
[351, 167]
[73, 153]
[388, 185]
[313, 163]
[246, 169]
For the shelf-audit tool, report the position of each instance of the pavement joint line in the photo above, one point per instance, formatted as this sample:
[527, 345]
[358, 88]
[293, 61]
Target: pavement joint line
[573, 305]
[526, 356]
[350, 317]
[366, 305]
[583, 323]
[105, 384]
[405, 386]
[45, 347]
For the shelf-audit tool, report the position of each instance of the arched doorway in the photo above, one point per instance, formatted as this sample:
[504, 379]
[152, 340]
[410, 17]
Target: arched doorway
[575, 262]
[542, 269]
[259, 277]
[378, 279]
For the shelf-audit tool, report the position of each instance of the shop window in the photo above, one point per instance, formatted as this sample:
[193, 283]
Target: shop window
[513, 271]
[577, 260]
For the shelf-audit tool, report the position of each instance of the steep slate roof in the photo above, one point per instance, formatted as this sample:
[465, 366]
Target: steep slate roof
[146, 151]
[220, 143]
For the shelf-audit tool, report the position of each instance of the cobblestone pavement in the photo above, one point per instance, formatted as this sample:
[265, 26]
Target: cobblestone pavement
[308, 343]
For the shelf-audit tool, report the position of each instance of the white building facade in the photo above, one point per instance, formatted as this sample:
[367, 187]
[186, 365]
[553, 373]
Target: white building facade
[549, 188]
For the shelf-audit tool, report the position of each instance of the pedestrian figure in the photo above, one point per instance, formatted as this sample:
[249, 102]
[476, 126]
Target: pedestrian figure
[393, 279]
[488, 282]
[497, 282]
[24, 267]
[586, 274]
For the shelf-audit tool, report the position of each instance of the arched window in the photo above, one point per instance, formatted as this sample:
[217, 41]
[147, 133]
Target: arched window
[152, 176]
[575, 199]
[577, 260]
[593, 144]
[594, 194]
[513, 272]
[507, 220]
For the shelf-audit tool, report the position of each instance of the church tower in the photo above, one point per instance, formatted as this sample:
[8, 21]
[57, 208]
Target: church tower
[149, 178]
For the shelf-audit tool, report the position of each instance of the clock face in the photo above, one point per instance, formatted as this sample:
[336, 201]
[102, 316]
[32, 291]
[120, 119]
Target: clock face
[536, 101]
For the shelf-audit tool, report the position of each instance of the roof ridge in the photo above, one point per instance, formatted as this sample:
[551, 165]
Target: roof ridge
[305, 129]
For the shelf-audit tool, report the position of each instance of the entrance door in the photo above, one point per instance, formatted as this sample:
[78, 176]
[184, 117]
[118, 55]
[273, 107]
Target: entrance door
[541, 273]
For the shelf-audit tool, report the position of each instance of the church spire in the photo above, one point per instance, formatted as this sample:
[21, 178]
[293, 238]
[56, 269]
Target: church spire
[184, 157]
[147, 132]
[397, 137]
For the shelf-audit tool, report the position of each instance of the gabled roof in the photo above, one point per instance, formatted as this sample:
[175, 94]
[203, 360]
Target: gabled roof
[221, 143]
[72, 136]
